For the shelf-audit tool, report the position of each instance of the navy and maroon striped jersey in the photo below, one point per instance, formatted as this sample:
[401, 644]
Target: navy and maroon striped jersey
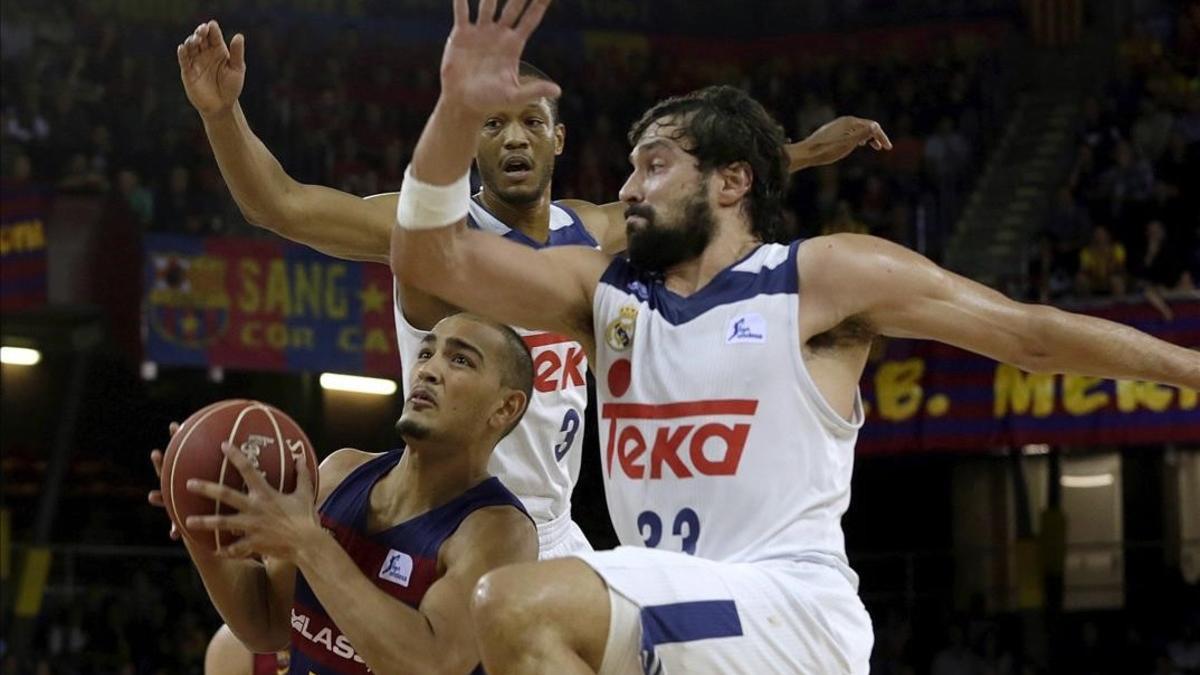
[402, 560]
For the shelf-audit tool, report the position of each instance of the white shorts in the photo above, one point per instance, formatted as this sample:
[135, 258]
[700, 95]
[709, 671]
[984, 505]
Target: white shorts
[674, 613]
[560, 538]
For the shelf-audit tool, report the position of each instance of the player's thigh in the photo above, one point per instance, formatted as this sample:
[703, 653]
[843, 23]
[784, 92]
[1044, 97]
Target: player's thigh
[701, 616]
[563, 597]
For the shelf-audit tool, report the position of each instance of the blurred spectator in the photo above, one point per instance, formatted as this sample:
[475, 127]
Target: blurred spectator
[1184, 651]
[1051, 277]
[844, 221]
[1101, 265]
[139, 199]
[1152, 130]
[1126, 185]
[1068, 224]
[79, 178]
[181, 208]
[955, 658]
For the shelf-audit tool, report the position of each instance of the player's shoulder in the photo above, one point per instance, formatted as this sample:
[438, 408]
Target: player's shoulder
[834, 251]
[501, 533]
[337, 466]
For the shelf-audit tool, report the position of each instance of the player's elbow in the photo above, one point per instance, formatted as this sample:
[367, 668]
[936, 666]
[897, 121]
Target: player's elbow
[1034, 350]
[425, 260]
[262, 639]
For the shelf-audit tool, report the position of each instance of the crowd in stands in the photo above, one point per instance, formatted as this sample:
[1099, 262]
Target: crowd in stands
[1127, 218]
[96, 107]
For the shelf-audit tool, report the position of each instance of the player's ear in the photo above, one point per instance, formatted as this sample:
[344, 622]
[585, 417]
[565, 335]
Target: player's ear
[560, 137]
[734, 181]
[510, 409]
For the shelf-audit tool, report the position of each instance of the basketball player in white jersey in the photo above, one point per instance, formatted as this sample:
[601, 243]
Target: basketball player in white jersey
[727, 370]
[517, 146]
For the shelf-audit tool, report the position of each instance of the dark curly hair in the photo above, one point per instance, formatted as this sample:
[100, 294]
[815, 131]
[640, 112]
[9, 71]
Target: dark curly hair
[721, 125]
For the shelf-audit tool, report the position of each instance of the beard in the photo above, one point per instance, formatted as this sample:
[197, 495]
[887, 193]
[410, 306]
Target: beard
[411, 429]
[657, 247]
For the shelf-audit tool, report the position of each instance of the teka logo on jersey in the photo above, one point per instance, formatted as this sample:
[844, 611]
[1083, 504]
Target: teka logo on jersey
[684, 439]
[558, 362]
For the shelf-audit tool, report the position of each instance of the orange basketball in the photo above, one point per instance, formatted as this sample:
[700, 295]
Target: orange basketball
[265, 435]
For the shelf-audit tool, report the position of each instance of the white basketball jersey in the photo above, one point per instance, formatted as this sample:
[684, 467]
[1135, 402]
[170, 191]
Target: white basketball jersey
[539, 460]
[715, 441]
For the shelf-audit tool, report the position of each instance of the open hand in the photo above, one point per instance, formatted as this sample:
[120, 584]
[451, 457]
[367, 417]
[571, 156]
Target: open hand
[212, 72]
[272, 523]
[479, 64]
[155, 497]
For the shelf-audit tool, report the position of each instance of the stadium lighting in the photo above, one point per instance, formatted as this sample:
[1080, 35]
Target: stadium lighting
[357, 384]
[19, 356]
[1096, 480]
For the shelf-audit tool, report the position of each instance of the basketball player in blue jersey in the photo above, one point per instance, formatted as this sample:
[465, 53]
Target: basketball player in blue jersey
[727, 369]
[381, 574]
[517, 147]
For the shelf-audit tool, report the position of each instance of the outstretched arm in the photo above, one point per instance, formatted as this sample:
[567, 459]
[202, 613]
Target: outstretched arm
[902, 294]
[549, 289]
[328, 220]
[831, 143]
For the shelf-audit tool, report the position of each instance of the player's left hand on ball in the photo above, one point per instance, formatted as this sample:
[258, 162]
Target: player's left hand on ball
[155, 497]
[272, 523]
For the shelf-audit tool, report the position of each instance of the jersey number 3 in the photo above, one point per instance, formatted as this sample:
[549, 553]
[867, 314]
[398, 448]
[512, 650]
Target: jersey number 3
[687, 526]
[570, 426]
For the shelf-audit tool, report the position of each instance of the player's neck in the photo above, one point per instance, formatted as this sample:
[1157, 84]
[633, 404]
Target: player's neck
[427, 477]
[730, 242]
[531, 219]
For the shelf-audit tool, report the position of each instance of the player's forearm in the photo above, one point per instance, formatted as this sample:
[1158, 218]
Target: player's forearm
[255, 178]
[426, 258]
[447, 144]
[1086, 345]
[240, 591]
[388, 634]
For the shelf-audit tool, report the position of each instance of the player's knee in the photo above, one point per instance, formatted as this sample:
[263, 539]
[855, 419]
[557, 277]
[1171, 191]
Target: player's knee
[501, 602]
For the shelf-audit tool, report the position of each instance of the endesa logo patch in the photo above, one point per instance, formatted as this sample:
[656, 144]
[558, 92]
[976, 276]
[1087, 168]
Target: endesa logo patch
[746, 328]
[648, 441]
[397, 567]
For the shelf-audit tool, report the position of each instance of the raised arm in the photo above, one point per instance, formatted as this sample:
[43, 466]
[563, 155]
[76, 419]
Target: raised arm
[902, 294]
[828, 144]
[432, 249]
[328, 220]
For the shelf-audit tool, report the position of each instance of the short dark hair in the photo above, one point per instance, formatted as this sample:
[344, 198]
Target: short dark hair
[526, 69]
[723, 125]
[516, 370]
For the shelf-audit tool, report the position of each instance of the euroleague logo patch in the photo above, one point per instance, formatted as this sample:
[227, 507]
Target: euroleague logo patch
[397, 567]
[619, 333]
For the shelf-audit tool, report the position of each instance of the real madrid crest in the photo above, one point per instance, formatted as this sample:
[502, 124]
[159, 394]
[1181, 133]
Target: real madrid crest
[619, 333]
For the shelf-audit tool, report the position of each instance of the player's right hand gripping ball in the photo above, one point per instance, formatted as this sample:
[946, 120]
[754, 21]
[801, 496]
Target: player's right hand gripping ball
[269, 439]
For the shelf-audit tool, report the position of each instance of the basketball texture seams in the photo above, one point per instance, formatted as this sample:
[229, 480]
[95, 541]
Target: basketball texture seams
[268, 438]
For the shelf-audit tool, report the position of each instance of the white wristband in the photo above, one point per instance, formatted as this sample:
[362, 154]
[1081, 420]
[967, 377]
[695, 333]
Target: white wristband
[426, 207]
